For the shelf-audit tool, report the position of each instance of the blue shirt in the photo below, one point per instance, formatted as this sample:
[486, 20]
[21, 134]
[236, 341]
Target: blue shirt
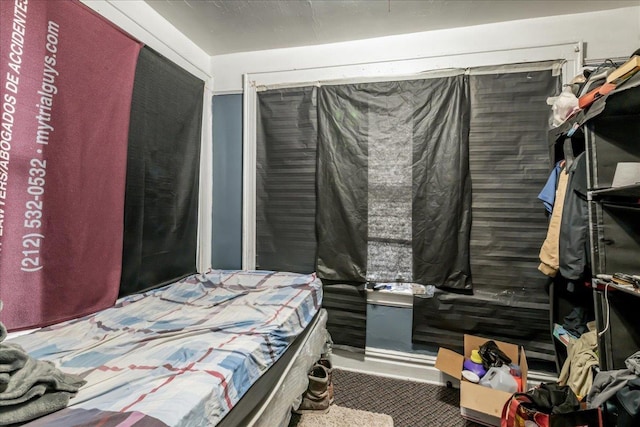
[548, 193]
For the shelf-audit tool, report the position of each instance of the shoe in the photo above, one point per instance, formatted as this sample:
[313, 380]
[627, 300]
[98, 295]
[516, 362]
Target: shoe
[327, 365]
[316, 398]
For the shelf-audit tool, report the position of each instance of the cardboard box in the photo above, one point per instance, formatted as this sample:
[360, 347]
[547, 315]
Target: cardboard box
[625, 70]
[479, 403]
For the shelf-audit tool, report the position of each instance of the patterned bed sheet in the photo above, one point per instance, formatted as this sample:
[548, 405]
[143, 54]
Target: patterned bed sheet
[183, 354]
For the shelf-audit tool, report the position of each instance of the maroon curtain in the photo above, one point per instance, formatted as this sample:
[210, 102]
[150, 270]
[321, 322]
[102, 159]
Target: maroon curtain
[66, 79]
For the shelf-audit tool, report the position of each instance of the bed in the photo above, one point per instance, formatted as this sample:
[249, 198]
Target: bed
[225, 348]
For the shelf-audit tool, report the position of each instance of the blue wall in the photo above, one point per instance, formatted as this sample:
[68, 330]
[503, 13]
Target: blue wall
[226, 250]
[389, 328]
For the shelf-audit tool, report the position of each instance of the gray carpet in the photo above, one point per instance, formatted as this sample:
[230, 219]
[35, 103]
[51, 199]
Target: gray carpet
[410, 403]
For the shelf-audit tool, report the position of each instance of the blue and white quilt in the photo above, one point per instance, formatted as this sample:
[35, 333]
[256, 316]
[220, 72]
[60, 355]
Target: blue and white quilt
[182, 353]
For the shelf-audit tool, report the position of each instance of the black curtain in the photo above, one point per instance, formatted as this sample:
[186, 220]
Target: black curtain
[342, 212]
[286, 180]
[509, 166]
[442, 185]
[393, 183]
[395, 163]
[163, 166]
[346, 305]
[287, 135]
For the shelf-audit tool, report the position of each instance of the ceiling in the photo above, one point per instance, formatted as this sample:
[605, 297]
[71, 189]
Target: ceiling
[228, 26]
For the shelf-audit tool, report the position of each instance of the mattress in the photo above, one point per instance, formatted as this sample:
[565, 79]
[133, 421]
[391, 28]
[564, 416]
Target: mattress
[183, 354]
[269, 401]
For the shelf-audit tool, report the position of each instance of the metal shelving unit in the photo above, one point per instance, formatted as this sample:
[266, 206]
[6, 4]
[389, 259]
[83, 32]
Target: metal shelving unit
[613, 136]
[609, 132]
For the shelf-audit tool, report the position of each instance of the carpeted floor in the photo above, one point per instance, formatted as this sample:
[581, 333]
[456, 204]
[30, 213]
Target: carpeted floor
[410, 403]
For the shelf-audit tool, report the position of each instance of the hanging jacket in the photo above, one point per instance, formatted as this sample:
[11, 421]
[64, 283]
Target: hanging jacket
[549, 252]
[574, 252]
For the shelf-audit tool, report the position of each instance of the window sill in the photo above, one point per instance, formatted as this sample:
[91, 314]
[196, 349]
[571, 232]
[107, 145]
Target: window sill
[397, 295]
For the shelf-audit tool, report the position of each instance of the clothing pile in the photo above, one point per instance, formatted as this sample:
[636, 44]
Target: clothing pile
[618, 392]
[577, 369]
[30, 388]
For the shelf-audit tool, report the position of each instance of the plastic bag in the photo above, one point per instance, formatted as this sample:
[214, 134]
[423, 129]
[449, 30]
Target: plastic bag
[562, 106]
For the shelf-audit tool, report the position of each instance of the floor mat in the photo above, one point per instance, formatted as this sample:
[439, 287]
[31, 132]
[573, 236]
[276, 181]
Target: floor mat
[339, 417]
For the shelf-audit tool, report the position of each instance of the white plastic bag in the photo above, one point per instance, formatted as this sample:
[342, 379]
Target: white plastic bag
[562, 106]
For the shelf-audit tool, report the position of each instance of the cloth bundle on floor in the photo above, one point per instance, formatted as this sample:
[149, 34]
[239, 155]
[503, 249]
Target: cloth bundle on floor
[30, 388]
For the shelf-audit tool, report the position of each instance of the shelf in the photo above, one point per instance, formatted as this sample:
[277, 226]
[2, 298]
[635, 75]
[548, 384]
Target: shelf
[623, 191]
[622, 106]
[626, 288]
[609, 128]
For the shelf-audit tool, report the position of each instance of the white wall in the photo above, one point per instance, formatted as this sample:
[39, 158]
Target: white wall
[607, 34]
